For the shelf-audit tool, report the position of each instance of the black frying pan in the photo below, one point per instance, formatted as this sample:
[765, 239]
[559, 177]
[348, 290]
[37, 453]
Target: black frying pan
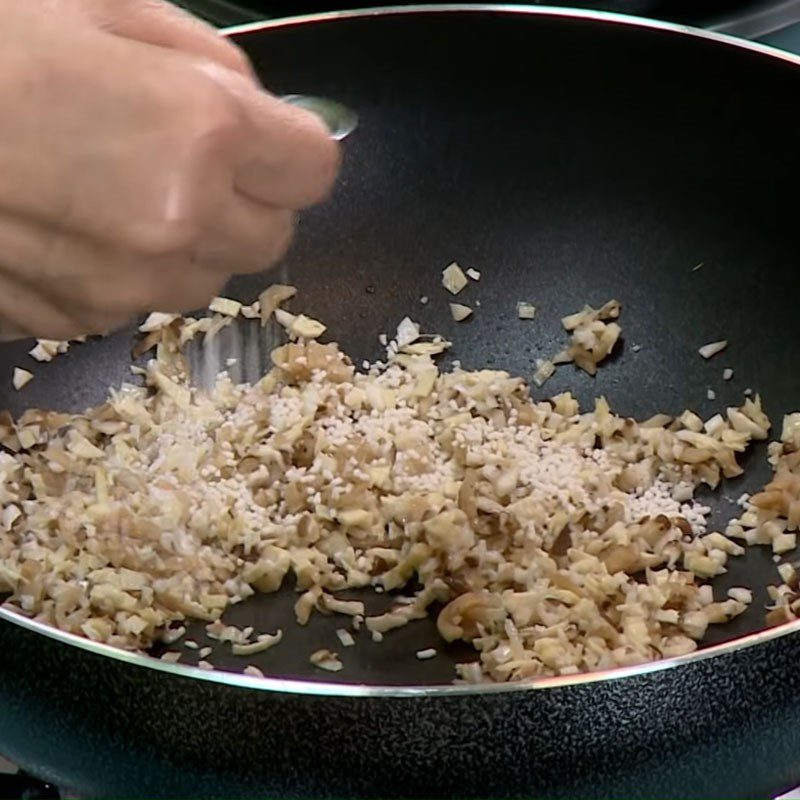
[572, 158]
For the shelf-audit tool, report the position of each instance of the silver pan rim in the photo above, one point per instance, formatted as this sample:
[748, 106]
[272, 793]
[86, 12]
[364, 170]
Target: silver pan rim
[327, 689]
[629, 20]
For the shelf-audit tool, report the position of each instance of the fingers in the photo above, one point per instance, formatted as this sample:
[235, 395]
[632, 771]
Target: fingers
[168, 170]
[247, 237]
[100, 286]
[285, 156]
[291, 160]
[164, 25]
[24, 312]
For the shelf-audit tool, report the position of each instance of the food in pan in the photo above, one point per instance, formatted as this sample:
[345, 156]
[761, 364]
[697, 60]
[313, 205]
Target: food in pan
[553, 539]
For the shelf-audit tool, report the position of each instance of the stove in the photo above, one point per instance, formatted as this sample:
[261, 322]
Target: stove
[773, 22]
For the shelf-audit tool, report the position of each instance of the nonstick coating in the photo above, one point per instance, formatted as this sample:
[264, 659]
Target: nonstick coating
[570, 160]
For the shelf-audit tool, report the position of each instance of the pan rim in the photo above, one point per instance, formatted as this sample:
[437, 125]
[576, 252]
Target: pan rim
[630, 20]
[312, 687]
[327, 689]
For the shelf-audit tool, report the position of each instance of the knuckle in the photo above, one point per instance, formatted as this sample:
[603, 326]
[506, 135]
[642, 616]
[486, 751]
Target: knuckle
[161, 238]
[238, 60]
[209, 114]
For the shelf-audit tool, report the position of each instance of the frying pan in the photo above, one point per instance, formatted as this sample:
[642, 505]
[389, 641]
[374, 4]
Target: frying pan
[571, 157]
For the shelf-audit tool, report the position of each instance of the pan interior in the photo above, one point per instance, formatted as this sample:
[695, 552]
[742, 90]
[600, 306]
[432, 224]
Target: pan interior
[570, 161]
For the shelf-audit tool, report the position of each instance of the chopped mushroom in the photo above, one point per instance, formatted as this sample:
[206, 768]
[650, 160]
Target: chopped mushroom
[299, 324]
[272, 297]
[544, 371]
[460, 312]
[454, 279]
[225, 306]
[157, 321]
[21, 378]
[325, 659]
[448, 485]
[712, 348]
[262, 643]
[526, 310]
[345, 637]
[593, 336]
[48, 349]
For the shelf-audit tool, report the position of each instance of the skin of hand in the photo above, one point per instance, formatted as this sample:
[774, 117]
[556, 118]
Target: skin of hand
[141, 164]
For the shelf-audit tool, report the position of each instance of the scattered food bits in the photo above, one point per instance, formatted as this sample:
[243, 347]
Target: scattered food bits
[325, 659]
[205, 665]
[299, 324]
[217, 322]
[741, 594]
[474, 274]
[156, 321]
[748, 392]
[712, 348]
[225, 306]
[711, 394]
[47, 349]
[783, 543]
[21, 378]
[460, 312]
[593, 336]
[263, 642]
[253, 671]
[408, 331]
[272, 297]
[427, 654]
[345, 637]
[171, 657]
[39, 353]
[171, 635]
[727, 374]
[698, 267]
[454, 279]
[544, 371]
[636, 348]
[205, 652]
[526, 310]
[253, 311]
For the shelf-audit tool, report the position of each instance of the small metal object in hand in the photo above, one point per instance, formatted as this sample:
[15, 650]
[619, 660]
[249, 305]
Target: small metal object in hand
[340, 120]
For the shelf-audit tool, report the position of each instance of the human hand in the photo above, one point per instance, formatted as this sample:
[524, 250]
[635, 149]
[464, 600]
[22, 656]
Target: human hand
[141, 165]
